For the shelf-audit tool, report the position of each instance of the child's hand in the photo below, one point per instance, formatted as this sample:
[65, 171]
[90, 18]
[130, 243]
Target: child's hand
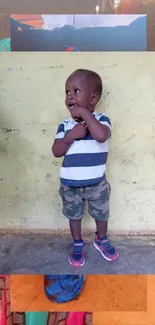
[76, 113]
[79, 131]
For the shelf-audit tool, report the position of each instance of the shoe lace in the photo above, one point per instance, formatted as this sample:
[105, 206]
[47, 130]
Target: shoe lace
[106, 244]
[77, 249]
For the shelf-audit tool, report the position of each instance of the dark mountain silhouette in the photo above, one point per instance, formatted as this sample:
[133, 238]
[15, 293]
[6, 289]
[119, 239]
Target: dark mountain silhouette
[121, 38]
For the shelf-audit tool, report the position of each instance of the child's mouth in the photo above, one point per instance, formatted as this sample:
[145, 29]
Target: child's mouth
[71, 106]
[77, 119]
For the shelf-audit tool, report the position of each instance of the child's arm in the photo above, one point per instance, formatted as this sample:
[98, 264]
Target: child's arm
[100, 132]
[63, 141]
[61, 146]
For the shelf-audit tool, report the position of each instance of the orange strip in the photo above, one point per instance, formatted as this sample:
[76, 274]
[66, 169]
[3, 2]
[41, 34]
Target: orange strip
[31, 20]
[131, 318]
[108, 293]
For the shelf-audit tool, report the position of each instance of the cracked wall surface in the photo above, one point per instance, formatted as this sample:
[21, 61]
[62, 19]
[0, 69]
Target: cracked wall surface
[32, 106]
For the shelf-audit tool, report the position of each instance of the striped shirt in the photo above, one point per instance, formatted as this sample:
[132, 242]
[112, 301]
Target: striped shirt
[84, 163]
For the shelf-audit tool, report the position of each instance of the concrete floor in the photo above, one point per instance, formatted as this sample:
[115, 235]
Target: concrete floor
[48, 254]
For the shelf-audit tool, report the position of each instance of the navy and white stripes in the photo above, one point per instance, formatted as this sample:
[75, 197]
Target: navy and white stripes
[85, 162]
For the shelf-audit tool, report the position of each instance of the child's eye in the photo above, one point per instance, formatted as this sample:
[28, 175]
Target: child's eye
[77, 91]
[67, 92]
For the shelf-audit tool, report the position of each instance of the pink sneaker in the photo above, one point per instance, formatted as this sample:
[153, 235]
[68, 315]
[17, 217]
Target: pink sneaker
[77, 254]
[105, 248]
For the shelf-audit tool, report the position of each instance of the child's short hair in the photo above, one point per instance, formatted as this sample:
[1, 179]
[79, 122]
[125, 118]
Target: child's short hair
[95, 76]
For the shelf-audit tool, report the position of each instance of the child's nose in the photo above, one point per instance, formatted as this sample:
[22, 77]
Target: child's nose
[70, 96]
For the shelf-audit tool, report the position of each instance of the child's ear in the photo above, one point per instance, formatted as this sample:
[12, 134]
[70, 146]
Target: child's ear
[95, 97]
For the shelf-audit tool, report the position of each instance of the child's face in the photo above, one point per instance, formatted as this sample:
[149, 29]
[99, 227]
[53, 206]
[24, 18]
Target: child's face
[78, 92]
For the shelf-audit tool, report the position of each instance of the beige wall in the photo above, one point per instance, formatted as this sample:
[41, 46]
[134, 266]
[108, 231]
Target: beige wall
[31, 107]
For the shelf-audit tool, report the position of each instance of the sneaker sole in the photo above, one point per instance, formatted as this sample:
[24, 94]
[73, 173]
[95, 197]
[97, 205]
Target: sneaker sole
[103, 255]
[79, 265]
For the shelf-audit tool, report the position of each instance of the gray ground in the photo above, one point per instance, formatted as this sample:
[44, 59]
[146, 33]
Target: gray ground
[48, 254]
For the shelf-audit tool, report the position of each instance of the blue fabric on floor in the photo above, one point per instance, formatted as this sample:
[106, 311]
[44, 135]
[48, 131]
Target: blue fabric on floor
[63, 288]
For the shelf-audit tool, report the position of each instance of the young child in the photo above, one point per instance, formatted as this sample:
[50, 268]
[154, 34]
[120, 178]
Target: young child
[83, 141]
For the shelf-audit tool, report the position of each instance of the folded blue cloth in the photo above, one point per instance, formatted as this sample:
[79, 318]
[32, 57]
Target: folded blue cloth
[63, 288]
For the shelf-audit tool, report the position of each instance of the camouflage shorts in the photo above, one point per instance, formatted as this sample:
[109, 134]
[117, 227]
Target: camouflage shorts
[97, 196]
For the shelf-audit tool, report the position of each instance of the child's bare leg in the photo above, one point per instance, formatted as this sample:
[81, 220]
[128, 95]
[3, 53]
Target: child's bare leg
[102, 227]
[75, 228]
